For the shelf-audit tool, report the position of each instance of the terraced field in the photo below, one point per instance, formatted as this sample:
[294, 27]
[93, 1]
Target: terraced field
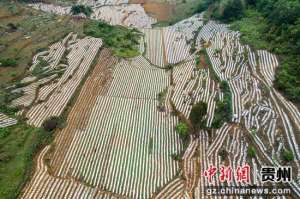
[120, 139]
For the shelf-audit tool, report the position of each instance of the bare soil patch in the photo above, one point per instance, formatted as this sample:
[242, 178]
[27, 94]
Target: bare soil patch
[160, 10]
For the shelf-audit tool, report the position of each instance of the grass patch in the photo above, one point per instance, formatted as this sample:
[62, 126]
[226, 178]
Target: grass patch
[32, 31]
[123, 41]
[18, 145]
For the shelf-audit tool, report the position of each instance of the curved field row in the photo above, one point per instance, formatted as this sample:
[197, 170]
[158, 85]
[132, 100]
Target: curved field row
[264, 113]
[122, 144]
[44, 185]
[79, 63]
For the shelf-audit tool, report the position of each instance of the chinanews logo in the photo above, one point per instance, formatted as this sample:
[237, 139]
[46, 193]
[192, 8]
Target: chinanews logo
[241, 175]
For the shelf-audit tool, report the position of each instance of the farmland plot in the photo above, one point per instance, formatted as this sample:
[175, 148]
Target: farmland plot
[261, 117]
[172, 44]
[118, 143]
[117, 138]
[114, 13]
[58, 72]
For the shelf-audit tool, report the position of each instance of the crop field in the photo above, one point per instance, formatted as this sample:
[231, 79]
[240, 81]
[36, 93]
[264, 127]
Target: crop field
[121, 136]
[54, 77]
[136, 128]
[114, 13]
[172, 44]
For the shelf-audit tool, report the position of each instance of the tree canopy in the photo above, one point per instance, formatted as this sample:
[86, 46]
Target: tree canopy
[197, 116]
[271, 24]
[77, 9]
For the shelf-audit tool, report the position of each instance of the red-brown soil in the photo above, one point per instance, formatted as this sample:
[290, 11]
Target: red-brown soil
[159, 10]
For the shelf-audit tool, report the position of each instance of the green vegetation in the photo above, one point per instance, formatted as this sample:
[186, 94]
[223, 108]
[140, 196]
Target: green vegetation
[197, 116]
[6, 97]
[176, 157]
[81, 9]
[223, 111]
[7, 62]
[24, 32]
[39, 68]
[268, 24]
[287, 155]
[161, 97]
[251, 152]
[18, 145]
[123, 42]
[251, 30]
[182, 130]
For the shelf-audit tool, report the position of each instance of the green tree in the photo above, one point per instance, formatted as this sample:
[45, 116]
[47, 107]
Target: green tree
[182, 130]
[197, 116]
[77, 9]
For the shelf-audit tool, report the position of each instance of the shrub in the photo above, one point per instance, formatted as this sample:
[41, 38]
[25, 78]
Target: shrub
[53, 123]
[251, 152]
[176, 157]
[287, 155]
[10, 111]
[183, 130]
[77, 9]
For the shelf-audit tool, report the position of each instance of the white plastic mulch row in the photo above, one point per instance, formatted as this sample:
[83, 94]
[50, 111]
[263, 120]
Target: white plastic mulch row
[6, 121]
[154, 46]
[267, 116]
[101, 2]
[46, 186]
[171, 45]
[130, 15]
[268, 64]
[176, 47]
[114, 13]
[30, 92]
[189, 26]
[80, 58]
[173, 190]
[132, 82]
[113, 151]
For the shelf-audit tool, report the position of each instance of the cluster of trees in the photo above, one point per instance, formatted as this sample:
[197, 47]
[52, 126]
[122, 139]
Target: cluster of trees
[223, 112]
[281, 33]
[78, 9]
